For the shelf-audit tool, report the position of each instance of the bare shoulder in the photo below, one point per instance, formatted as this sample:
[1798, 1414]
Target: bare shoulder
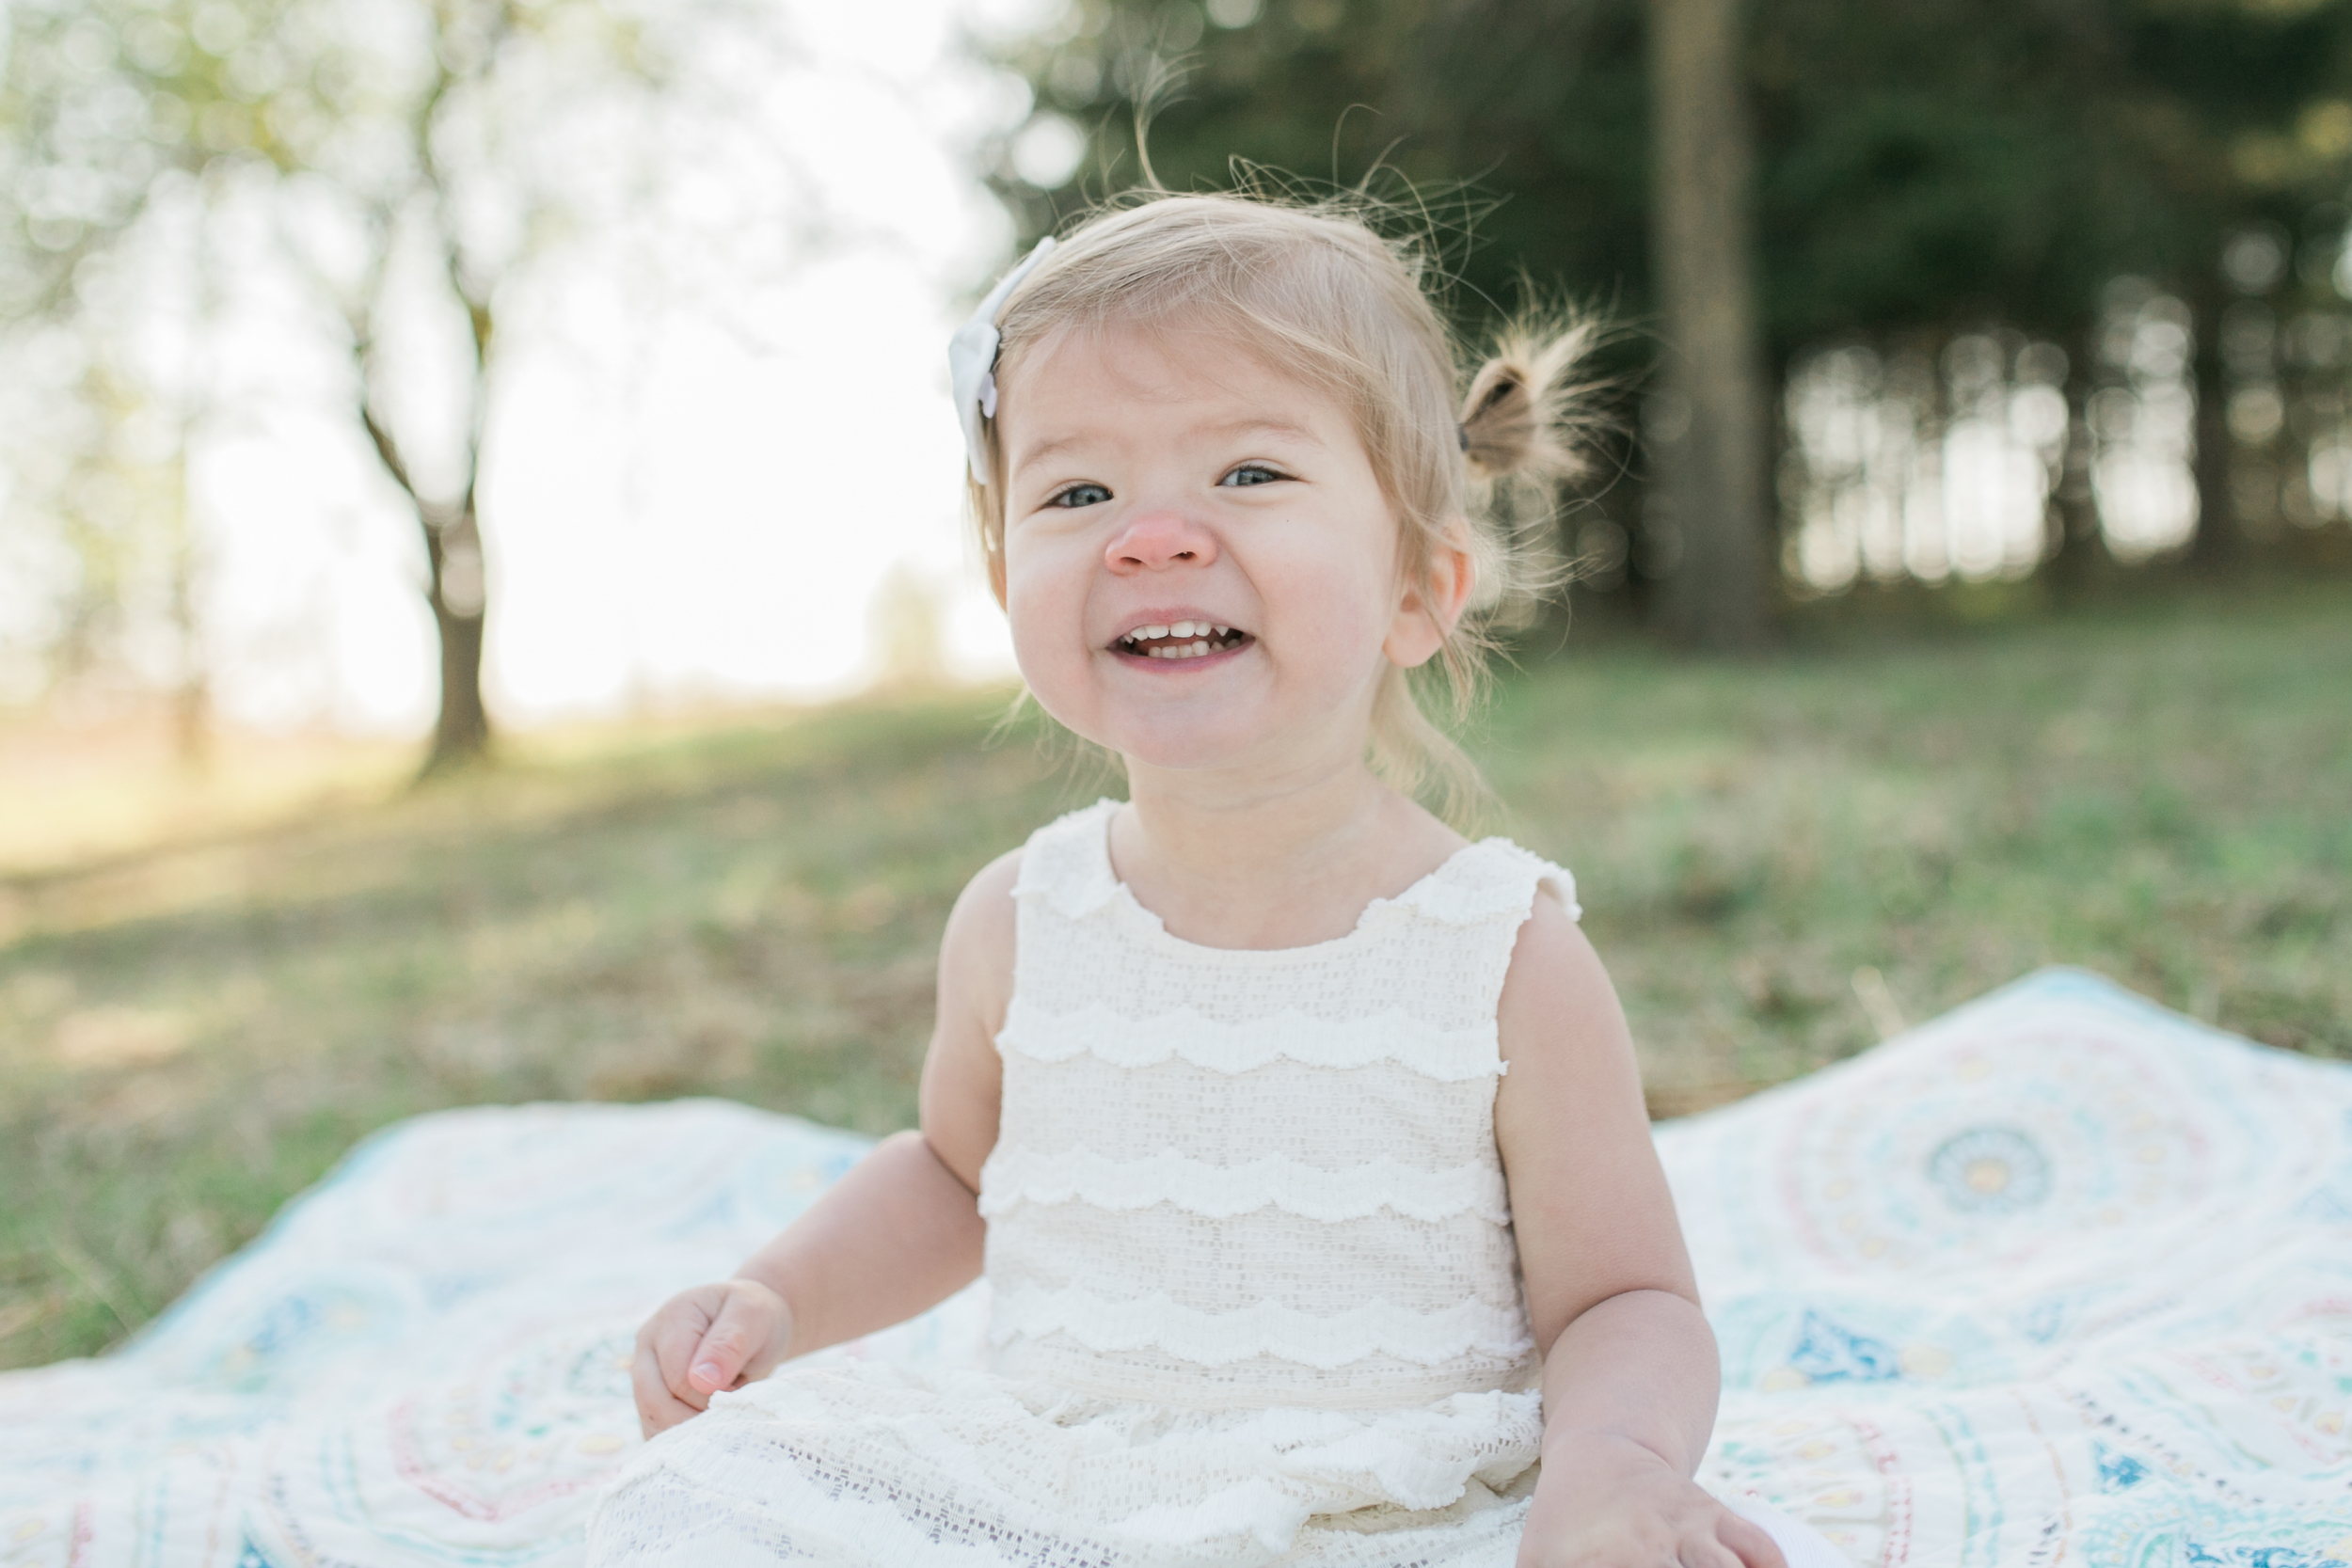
[979, 936]
[1591, 1209]
[1556, 996]
[963, 1078]
[975, 953]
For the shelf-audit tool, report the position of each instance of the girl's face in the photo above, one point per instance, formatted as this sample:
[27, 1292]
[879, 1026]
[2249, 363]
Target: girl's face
[1201, 569]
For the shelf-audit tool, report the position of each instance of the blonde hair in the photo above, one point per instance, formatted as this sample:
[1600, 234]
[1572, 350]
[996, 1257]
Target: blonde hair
[1316, 290]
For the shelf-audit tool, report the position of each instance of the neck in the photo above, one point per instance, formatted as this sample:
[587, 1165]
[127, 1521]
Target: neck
[1248, 860]
[1212, 827]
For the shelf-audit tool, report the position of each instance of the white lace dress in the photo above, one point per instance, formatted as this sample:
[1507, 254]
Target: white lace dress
[1255, 1294]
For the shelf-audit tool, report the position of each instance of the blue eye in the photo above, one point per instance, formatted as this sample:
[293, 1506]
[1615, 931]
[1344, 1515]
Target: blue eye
[1251, 473]
[1081, 495]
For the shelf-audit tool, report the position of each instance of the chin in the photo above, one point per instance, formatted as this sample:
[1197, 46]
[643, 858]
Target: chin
[1181, 752]
[1187, 742]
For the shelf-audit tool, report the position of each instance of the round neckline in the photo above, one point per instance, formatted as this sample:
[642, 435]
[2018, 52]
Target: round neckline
[1123, 899]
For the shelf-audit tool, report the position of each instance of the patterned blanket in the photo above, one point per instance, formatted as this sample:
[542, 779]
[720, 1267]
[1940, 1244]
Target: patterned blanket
[2060, 1277]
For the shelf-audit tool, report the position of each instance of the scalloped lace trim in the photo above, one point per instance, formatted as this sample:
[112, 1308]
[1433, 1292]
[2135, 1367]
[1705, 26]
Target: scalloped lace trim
[1220, 1192]
[1067, 861]
[1450, 1055]
[1377, 1327]
[1491, 879]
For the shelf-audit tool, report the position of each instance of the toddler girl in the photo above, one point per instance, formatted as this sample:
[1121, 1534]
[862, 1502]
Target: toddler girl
[1299, 1139]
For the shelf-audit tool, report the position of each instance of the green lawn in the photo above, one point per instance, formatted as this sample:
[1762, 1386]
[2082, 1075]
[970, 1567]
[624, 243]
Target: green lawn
[1778, 862]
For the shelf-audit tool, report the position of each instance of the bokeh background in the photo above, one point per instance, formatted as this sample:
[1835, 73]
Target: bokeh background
[484, 613]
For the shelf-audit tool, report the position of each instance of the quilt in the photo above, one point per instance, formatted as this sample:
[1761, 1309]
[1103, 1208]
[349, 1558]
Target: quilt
[2060, 1277]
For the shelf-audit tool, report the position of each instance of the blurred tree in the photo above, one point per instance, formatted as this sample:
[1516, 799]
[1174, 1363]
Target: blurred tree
[903, 626]
[108, 460]
[1717, 598]
[1922, 168]
[405, 161]
[2246, 111]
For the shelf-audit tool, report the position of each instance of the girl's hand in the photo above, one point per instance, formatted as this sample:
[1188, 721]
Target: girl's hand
[1606, 1502]
[703, 1341]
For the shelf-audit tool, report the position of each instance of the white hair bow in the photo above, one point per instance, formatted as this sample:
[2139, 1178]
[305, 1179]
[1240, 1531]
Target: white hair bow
[972, 359]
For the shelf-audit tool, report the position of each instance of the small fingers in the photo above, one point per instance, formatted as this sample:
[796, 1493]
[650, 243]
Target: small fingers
[672, 1339]
[724, 1357]
[658, 1409]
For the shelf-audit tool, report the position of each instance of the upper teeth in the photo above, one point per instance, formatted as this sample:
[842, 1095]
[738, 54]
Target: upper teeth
[1181, 629]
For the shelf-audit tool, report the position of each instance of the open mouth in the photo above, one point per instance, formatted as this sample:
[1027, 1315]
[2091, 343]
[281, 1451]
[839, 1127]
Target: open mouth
[1182, 640]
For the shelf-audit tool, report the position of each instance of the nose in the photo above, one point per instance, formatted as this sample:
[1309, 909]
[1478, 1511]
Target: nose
[1157, 540]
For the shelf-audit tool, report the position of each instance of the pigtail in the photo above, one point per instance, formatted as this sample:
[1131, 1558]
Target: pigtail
[1531, 412]
[1534, 412]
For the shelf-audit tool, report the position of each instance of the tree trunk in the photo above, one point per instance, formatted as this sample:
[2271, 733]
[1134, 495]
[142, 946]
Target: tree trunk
[1712, 471]
[2218, 546]
[2077, 555]
[191, 694]
[456, 591]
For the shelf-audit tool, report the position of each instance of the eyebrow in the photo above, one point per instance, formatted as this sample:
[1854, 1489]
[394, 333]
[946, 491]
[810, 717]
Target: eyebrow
[1267, 427]
[1043, 449]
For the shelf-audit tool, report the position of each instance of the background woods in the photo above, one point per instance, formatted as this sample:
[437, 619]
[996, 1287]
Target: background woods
[2028, 287]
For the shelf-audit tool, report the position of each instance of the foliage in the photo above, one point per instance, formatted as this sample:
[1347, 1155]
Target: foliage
[1933, 163]
[1772, 857]
[1927, 171]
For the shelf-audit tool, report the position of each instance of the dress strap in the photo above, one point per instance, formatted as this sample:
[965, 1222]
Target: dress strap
[1066, 863]
[1492, 881]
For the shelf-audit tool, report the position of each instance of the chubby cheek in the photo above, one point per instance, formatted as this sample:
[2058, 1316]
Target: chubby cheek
[1330, 635]
[1047, 613]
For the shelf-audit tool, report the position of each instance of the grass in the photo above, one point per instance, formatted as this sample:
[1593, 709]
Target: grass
[1781, 863]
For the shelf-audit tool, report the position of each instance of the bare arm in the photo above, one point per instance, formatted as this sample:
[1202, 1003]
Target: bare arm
[895, 1235]
[1631, 1376]
[901, 1232]
[898, 1234]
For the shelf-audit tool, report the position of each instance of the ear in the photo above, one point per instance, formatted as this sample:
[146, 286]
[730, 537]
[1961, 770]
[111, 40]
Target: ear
[1427, 609]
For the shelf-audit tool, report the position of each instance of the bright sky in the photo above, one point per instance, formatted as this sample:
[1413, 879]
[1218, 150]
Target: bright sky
[675, 512]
